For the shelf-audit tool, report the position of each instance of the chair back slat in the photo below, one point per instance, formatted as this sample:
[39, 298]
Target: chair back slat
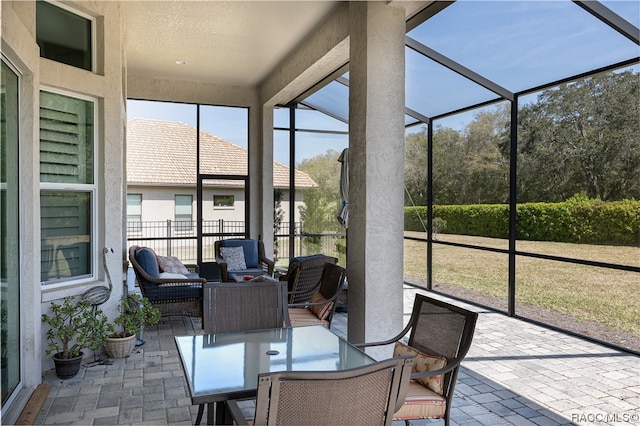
[438, 331]
[332, 280]
[360, 396]
[440, 328]
[248, 306]
[304, 276]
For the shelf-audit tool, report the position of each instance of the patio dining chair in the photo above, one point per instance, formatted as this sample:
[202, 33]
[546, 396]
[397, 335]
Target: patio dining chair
[246, 306]
[303, 276]
[440, 335]
[366, 395]
[323, 301]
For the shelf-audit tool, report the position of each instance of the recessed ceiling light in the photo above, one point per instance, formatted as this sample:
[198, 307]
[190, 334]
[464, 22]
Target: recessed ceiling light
[181, 62]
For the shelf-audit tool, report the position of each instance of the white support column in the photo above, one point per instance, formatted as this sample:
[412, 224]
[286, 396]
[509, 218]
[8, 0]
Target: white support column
[376, 161]
[266, 219]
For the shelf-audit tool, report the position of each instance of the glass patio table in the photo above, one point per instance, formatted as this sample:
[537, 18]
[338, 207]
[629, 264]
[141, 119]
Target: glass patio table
[225, 366]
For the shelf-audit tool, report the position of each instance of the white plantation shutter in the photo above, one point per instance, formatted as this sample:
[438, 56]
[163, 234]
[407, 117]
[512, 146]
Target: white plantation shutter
[66, 139]
[65, 218]
[67, 187]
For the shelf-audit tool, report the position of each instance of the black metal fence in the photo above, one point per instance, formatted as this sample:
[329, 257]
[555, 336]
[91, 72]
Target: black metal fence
[179, 238]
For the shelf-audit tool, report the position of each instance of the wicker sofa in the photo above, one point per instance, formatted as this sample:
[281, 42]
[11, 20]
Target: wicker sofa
[171, 289]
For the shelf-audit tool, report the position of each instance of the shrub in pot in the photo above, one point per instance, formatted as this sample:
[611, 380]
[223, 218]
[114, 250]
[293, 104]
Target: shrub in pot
[135, 313]
[73, 326]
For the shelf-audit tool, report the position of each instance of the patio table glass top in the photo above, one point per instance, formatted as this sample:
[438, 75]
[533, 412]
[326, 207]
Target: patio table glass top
[225, 366]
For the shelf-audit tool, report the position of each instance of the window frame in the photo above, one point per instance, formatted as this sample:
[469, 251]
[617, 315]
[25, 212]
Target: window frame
[93, 34]
[135, 229]
[18, 326]
[176, 221]
[92, 189]
[226, 206]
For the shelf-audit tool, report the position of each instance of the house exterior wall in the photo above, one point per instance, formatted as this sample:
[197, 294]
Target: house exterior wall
[105, 84]
[158, 203]
[162, 89]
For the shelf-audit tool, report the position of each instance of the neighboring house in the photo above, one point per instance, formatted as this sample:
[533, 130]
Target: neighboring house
[161, 176]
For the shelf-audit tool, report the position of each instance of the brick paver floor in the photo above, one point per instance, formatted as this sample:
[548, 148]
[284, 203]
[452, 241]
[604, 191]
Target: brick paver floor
[515, 373]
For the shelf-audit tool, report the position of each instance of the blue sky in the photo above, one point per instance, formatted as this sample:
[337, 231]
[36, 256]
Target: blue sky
[227, 123]
[515, 51]
[230, 124]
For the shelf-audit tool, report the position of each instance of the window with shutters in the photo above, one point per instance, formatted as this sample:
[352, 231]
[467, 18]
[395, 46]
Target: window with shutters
[67, 187]
[183, 215]
[134, 213]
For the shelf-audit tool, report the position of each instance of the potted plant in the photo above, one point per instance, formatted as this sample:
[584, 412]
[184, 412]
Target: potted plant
[73, 326]
[135, 313]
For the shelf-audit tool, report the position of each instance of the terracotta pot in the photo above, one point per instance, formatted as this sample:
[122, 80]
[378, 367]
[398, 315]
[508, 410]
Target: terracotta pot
[67, 368]
[120, 347]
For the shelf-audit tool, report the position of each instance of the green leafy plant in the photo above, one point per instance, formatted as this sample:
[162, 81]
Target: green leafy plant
[75, 325]
[438, 225]
[135, 313]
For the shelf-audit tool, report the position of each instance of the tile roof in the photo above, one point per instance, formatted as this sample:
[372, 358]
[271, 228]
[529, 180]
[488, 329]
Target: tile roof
[164, 152]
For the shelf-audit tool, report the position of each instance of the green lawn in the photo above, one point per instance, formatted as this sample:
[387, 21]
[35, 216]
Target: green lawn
[586, 293]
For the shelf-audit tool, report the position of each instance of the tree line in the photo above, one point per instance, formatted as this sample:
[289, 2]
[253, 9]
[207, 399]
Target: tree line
[581, 137]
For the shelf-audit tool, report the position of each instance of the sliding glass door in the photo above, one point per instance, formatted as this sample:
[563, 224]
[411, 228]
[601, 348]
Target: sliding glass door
[9, 235]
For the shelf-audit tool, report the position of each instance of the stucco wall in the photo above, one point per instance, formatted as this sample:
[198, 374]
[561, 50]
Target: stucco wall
[106, 86]
[158, 203]
[21, 51]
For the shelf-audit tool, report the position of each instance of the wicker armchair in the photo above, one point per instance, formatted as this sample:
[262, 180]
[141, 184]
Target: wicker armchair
[440, 336]
[172, 296]
[256, 261]
[303, 276]
[321, 305]
[366, 395]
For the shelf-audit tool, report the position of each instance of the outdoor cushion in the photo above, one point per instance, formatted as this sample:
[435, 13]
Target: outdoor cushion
[172, 264]
[262, 278]
[421, 403]
[166, 275]
[423, 362]
[234, 257]
[250, 251]
[321, 311]
[248, 271]
[176, 292]
[301, 317]
[303, 258]
[148, 261]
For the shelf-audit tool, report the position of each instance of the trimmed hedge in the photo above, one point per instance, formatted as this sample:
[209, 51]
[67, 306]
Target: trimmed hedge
[572, 221]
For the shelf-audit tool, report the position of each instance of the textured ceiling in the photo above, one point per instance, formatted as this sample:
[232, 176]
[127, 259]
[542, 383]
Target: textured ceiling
[236, 42]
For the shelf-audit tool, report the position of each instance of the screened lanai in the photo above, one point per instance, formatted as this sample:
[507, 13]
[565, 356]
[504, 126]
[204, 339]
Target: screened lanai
[495, 63]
